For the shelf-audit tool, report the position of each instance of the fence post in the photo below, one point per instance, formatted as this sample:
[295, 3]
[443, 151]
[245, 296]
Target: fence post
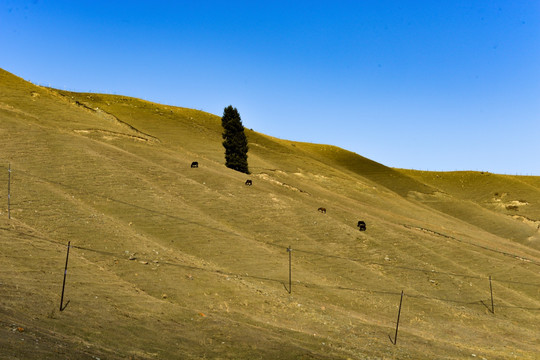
[9, 191]
[64, 284]
[289, 250]
[398, 315]
[491, 291]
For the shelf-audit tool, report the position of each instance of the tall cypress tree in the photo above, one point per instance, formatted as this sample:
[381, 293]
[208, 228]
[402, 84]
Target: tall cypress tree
[234, 140]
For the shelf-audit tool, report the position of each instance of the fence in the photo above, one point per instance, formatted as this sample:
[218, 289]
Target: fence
[320, 255]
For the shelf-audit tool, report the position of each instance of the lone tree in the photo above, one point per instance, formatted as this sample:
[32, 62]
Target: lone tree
[234, 140]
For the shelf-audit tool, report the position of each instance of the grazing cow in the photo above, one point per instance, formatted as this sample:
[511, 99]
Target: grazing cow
[194, 164]
[321, 209]
[361, 225]
[249, 182]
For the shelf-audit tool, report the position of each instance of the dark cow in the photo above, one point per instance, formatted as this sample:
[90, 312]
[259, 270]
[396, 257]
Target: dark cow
[321, 209]
[361, 225]
[194, 164]
[249, 182]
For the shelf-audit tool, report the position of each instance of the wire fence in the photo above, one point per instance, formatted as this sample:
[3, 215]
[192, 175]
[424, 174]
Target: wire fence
[306, 284]
[318, 254]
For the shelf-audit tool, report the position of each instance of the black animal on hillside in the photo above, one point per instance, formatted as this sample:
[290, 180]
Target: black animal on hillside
[361, 225]
[194, 164]
[321, 209]
[249, 182]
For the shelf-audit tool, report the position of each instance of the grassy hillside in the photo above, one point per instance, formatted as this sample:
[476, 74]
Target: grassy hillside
[490, 201]
[170, 262]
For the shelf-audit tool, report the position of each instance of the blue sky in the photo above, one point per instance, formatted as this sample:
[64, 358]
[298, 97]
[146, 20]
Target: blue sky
[431, 85]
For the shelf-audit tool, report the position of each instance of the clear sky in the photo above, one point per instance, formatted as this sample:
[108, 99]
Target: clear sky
[431, 85]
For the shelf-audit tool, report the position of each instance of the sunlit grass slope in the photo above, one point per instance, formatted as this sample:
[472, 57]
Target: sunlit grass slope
[501, 204]
[173, 262]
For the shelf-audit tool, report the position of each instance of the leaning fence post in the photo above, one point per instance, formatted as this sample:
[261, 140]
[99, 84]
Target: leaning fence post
[64, 284]
[397, 324]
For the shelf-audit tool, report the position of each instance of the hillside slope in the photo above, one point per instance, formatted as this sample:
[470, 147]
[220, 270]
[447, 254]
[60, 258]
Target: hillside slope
[169, 261]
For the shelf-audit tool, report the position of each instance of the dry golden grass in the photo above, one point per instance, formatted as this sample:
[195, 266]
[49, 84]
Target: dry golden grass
[170, 262]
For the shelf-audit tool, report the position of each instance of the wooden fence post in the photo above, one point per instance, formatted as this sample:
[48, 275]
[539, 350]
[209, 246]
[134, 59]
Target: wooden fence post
[64, 284]
[491, 291]
[289, 250]
[9, 191]
[397, 324]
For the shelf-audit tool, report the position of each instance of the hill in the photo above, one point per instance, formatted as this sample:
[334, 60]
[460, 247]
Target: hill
[168, 261]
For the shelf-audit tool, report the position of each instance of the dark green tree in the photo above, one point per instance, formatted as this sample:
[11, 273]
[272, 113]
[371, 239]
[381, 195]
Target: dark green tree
[234, 140]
